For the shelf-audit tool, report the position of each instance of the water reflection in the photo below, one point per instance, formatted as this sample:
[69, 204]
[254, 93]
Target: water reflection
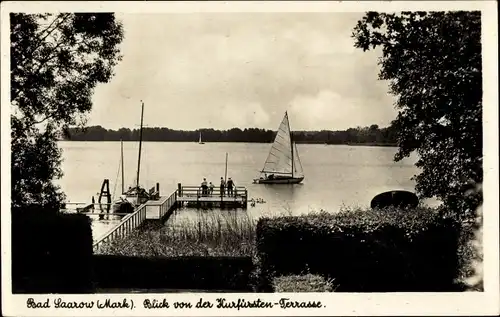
[284, 191]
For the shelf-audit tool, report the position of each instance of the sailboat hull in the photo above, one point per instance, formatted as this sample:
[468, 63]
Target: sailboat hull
[280, 180]
[123, 207]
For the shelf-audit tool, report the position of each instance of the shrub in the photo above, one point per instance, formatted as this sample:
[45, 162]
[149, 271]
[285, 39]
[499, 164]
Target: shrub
[51, 252]
[194, 272]
[470, 253]
[363, 251]
[475, 279]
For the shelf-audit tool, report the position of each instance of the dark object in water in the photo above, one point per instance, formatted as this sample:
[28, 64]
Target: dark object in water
[395, 198]
[124, 207]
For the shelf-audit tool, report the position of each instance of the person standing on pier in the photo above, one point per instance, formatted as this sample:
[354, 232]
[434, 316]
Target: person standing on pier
[204, 187]
[211, 188]
[230, 187]
[222, 185]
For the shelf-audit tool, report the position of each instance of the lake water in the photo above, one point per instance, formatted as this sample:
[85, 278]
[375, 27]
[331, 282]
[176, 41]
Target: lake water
[335, 175]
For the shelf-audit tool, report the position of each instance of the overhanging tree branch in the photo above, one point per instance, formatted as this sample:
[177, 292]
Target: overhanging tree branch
[431, 61]
[42, 40]
[45, 93]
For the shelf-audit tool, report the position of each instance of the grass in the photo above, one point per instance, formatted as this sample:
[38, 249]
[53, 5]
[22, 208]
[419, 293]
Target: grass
[302, 283]
[215, 233]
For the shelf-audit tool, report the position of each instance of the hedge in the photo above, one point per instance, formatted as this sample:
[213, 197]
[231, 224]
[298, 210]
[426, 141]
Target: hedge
[51, 252]
[362, 251]
[186, 272]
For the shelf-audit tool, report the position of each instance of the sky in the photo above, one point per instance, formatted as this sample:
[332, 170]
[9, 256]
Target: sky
[225, 70]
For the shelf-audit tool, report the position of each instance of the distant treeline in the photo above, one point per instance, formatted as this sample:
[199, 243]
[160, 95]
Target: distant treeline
[372, 135]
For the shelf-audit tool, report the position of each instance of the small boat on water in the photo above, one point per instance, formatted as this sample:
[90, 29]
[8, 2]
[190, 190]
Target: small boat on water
[395, 198]
[127, 202]
[282, 165]
[200, 141]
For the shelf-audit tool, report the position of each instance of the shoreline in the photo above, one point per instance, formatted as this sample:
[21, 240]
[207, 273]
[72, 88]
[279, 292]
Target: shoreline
[206, 142]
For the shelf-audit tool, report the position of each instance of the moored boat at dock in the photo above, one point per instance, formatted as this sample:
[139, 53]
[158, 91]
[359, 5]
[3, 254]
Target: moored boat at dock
[136, 195]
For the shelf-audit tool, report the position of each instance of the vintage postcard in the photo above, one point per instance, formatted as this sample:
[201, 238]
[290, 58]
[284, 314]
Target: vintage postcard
[249, 158]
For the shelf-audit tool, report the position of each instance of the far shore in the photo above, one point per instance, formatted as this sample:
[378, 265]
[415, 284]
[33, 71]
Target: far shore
[207, 142]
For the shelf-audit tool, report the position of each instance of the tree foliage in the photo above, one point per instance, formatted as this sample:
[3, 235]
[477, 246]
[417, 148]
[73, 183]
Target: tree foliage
[432, 61]
[368, 135]
[56, 62]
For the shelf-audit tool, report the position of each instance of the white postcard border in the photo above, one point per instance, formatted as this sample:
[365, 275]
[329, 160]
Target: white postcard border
[483, 303]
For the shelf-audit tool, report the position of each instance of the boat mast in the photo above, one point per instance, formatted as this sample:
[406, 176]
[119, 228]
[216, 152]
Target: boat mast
[123, 184]
[291, 140]
[140, 147]
[225, 173]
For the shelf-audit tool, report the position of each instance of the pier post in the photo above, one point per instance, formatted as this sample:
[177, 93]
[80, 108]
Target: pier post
[246, 198]
[222, 202]
[176, 203]
[179, 189]
[198, 199]
[158, 189]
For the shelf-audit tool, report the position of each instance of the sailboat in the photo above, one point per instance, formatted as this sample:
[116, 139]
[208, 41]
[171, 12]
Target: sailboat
[136, 195]
[122, 205]
[283, 164]
[200, 141]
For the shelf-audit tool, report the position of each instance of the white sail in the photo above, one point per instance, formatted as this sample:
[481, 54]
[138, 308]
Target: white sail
[297, 165]
[280, 157]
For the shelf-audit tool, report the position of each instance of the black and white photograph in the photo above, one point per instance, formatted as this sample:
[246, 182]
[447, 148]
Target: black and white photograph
[210, 157]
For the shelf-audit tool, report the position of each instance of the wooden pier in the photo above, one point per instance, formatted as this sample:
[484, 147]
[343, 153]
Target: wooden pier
[161, 208]
[193, 196]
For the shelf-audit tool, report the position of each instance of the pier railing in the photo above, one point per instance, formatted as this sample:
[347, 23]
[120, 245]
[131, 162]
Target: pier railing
[196, 191]
[128, 223]
[169, 203]
[133, 220]
[157, 209]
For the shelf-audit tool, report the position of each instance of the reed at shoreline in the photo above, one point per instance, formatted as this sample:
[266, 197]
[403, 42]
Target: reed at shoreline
[209, 234]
